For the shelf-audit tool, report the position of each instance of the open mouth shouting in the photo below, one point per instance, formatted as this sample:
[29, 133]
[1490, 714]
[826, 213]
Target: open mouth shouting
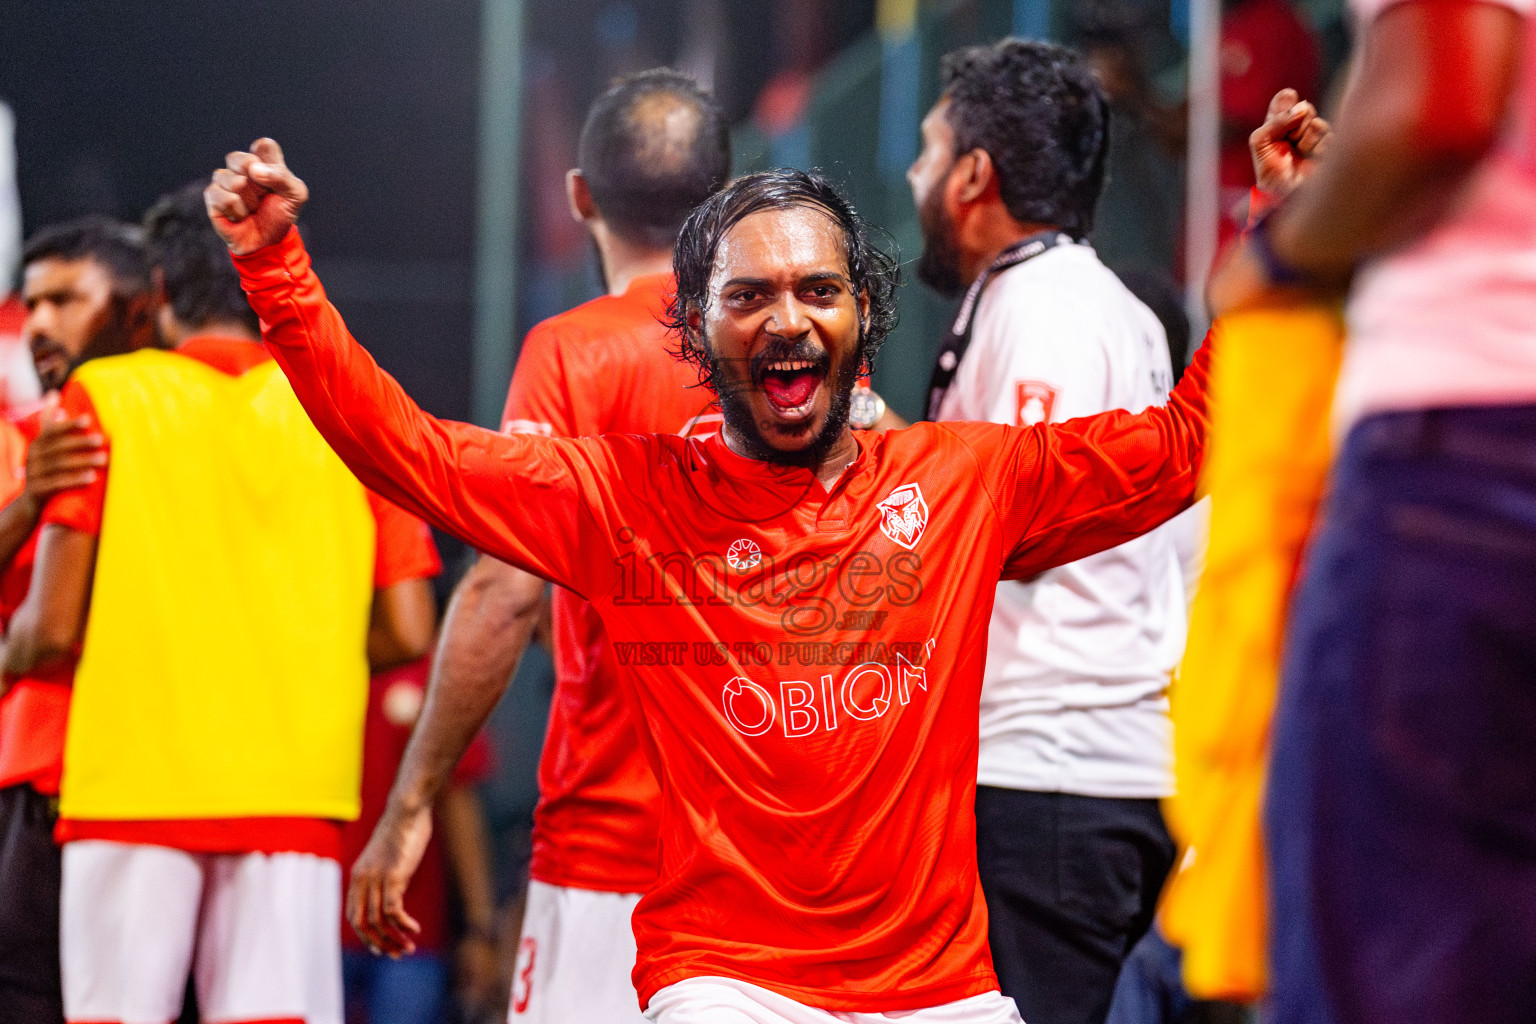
[790, 385]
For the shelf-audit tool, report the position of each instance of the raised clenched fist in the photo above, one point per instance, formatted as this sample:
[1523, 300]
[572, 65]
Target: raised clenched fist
[254, 198]
[1288, 144]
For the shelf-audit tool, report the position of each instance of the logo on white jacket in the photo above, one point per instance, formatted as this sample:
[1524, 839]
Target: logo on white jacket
[904, 515]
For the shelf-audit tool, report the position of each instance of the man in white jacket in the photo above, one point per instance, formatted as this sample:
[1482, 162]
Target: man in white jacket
[1076, 745]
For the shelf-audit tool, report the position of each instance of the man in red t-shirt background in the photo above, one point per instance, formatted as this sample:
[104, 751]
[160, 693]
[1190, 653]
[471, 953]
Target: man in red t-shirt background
[652, 147]
[87, 289]
[121, 953]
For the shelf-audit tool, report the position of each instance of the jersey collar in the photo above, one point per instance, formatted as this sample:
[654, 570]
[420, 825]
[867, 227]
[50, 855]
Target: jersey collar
[228, 355]
[743, 468]
[653, 291]
[660, 284]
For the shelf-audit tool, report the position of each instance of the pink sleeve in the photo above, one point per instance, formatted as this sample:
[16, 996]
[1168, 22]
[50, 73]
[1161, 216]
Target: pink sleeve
[1367, 11]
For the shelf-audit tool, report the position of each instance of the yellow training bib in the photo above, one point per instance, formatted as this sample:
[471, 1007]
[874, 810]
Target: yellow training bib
[1272, 392]
[224, 671]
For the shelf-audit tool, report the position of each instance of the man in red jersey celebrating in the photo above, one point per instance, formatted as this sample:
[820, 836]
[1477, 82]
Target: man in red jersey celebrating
[653, 147]
[805, 608]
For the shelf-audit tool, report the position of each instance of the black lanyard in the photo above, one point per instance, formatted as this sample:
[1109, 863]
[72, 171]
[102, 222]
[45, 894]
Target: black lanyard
[959, 339]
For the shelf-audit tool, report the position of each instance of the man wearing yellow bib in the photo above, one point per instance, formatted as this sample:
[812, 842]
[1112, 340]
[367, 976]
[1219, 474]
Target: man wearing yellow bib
[231, 566]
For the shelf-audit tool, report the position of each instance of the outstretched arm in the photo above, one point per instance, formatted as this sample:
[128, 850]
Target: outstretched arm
[1116, 476]
[1068, 490]
[489, 620]
[531, 501]
[1088, 484]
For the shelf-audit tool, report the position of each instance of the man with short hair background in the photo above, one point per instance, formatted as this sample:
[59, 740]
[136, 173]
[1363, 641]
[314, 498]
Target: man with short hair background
[653, 147]
[1076, 744]
[226, 584]
[86, 284]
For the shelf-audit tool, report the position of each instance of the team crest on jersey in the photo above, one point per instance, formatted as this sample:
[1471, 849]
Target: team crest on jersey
[1034, 400]
[744, 554]
[528, 427]
[904, 515]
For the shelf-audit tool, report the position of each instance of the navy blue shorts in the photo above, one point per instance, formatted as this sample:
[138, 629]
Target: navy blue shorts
[1401, 806]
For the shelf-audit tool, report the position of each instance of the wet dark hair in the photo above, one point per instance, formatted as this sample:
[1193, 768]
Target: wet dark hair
[646, 169]
[1037, 110]
[200, 281]
[872, 271]
[118, 247]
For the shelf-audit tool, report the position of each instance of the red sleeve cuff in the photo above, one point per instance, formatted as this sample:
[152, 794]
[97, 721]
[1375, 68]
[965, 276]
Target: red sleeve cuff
[419, 561]
[1259, 203]
[74, 510]
[273, 265]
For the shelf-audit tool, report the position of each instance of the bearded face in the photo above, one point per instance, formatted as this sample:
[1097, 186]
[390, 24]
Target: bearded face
[939, 266]
[74, 314]
[782, 333]
[757, 436]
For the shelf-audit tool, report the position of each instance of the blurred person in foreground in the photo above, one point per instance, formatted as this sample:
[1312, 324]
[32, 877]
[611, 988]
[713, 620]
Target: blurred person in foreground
[1401, 797]
[414, 989]
[653, 147]
[1075, 737]
[86, 285]
[1151, 988]
[226, 585]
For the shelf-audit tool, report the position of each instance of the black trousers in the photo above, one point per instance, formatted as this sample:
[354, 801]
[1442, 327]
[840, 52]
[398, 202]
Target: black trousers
[30, 990]
[1071, 884]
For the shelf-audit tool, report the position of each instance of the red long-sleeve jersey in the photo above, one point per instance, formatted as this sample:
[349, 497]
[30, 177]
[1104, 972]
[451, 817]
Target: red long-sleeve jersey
[807, 662]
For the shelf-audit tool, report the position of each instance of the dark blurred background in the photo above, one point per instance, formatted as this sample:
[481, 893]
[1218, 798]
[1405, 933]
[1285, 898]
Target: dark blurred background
[376, 105]
[379, 108]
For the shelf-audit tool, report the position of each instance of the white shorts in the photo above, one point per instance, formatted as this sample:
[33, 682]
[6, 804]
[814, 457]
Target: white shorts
[259, 932]
[728, 1001]
[576, 957]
